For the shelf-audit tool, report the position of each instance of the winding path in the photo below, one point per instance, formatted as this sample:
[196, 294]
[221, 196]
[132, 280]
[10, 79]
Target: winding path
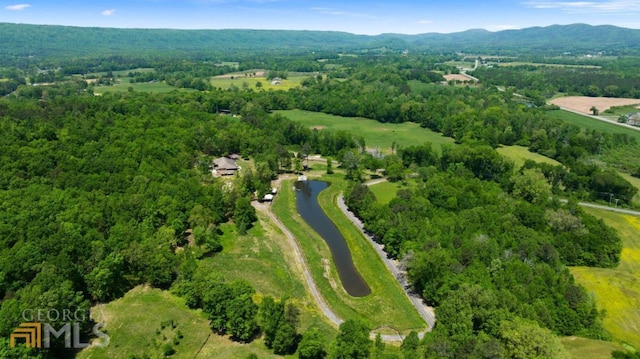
[424, 311]
[322, 304]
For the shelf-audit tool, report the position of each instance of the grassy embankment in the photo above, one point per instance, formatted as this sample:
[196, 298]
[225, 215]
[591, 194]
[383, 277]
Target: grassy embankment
[262, 258]
[617, 290]
[387, 305]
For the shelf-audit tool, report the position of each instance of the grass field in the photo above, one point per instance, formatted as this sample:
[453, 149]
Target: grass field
[261, 258]
[386, 191]
[618, 289]
[519, 154]
[621, 110]
[592, 124]
[376, 134]
[138, 86]
[588, 348]
[250, 83]
[386, 306]
[134, 325]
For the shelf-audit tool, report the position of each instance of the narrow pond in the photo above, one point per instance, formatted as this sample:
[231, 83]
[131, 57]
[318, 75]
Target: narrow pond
[309, 208]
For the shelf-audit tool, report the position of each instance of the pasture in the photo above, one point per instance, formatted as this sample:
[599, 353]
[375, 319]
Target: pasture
[376, 134]
[250, 78]
[617, 290]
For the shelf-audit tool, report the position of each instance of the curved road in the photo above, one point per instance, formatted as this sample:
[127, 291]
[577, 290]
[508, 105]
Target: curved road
[311, 284]
[425, 311]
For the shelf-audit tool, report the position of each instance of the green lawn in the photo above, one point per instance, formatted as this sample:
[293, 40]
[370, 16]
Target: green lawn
[519, 154]
[588, 348]
[589, 123]
[386, 306]
[617, 290]
[376, 134]
[250, 83]
[386, 191]
[138, 86]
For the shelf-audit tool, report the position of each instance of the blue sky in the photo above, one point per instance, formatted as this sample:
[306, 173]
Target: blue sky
[355, 16]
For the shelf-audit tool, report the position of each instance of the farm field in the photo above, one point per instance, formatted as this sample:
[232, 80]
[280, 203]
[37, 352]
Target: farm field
[458, 77]
[617, 290]
[376, 134]
[583, 104]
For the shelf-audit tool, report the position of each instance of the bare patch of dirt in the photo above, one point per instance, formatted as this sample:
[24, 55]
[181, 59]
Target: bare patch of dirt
[583, 104]
[318, 127]
[457, 77]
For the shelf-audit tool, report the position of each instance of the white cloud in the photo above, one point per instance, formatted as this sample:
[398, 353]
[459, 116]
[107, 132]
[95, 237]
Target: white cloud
[425, 22]
[596, 7]
[18, 7]
[108, 12]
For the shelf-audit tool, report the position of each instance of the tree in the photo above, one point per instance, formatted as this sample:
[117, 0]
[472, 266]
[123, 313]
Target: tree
[532, 186]
[351, 161]
[352, 342]
[244, 215]
[311, 346]
[329, 166]
[410, 346]
[594, 110]
[271, 315]
[525, 340]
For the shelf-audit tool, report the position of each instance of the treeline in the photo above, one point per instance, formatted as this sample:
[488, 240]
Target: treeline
[489, 247]
[545, 81]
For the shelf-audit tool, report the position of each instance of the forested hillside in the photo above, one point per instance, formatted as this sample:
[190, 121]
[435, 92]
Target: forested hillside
[20, 41]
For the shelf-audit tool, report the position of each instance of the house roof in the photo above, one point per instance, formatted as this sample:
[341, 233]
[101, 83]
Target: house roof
[224, 163]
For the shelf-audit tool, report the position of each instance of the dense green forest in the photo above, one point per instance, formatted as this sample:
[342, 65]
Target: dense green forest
[100, 193]
[29, 44]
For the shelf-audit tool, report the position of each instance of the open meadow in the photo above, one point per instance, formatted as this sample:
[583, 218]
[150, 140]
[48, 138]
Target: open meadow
[261, 257]
[250, 80]
[376, 134]
[617, 290]
[124, 84]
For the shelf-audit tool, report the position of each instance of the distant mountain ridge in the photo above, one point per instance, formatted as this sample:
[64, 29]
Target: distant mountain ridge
[22, 40]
